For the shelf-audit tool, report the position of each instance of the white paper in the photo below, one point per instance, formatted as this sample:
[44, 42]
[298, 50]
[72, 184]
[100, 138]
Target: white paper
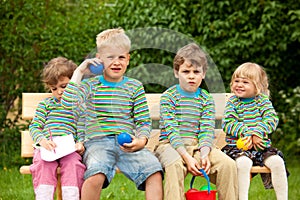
[65, 145]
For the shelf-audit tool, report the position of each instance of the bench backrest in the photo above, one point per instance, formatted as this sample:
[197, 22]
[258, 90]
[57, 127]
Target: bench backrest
[30, 102]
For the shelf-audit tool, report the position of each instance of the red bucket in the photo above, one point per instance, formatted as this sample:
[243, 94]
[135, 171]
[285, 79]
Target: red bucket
[194, 194]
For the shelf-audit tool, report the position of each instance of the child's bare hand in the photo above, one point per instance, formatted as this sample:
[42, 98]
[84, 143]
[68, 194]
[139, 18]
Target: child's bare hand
[257, 142]
[79, 148]
[83, 67]
[135, 145]
[248, 141]
[47, 144]
[192, 164]
[205, 164]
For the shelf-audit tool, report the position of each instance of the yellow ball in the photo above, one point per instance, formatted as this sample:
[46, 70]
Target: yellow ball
[240, 144]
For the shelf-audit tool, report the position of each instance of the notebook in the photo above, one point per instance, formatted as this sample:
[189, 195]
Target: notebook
[65, 145]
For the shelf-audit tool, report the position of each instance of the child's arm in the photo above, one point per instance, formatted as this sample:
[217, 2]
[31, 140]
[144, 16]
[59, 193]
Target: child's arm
[77, 91]
[170, 124]
[269, 120]
[142, 121]
[80, 134]
[37, 125]
[231, 124]
[207, 124]
[141, 114]
[267, 125]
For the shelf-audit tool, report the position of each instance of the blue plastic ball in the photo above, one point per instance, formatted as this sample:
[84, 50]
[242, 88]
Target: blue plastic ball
[124, 138]
[96, 69]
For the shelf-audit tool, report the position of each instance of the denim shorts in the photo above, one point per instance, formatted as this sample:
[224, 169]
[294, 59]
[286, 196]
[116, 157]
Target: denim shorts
[103, 155]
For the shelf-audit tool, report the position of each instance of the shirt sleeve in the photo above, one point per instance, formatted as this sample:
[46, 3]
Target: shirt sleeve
[141, 114]
[231, 124]
[269, 120]
[74, 95]
[81, 124]
[38, 122]
[169, 122]
[207, 123]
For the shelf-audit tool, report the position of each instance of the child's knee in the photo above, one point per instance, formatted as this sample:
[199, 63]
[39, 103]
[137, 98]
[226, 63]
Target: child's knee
[274, 162]
[243, 162]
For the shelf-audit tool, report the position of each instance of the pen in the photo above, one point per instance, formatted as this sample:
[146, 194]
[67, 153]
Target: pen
[51, 138]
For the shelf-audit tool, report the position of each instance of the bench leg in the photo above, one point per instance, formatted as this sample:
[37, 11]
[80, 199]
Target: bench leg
[58, 188]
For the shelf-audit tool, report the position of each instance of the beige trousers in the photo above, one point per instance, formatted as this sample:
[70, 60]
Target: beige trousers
[223, 172]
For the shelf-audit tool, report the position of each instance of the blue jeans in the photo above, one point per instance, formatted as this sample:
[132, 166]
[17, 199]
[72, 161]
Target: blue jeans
[103, 155]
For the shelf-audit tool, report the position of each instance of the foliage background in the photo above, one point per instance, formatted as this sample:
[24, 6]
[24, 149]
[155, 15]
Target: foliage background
[231, 32]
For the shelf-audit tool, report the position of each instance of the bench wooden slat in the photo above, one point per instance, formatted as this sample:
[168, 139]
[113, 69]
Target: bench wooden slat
[29, 103]
[31, 100]
[258, 169]
[26, 145]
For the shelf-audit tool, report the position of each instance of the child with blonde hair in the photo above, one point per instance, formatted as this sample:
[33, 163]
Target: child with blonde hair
[250, 115]
[114, 104]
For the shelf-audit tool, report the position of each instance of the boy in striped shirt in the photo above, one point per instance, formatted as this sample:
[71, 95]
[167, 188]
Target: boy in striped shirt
[114, 104]
[187, 130]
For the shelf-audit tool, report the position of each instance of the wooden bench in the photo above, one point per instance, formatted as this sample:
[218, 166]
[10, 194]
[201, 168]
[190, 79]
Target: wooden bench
[31, 100]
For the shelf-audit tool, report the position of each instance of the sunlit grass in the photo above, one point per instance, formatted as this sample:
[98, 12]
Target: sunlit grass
[14, 186]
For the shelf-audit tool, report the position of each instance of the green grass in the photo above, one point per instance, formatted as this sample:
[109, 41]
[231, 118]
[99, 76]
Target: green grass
[14, 186]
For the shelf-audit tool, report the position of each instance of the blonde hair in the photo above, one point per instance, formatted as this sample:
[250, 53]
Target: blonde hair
[193, 54]
[254, 73]
[57, 68]
[113, 37]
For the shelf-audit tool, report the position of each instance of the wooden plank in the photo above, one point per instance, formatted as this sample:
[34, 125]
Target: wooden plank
[26, 145]
[219, 140]
[153, 100]
[258, 169]
[30, 102]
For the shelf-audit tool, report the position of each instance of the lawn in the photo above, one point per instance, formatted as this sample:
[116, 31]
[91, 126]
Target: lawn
[14, 186]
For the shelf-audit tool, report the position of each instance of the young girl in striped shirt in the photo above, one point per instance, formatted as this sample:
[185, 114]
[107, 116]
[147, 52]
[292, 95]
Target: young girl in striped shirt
[250, 115]
[52, 120]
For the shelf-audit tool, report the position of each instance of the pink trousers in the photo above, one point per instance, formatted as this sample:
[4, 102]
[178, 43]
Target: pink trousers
[44, 176]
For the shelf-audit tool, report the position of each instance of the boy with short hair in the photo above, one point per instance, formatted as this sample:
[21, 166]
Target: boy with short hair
[187, 129]
[114, 104]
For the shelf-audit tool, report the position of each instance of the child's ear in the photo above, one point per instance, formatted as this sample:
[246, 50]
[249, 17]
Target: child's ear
[203, 75]
[175, 73]
[98, 55]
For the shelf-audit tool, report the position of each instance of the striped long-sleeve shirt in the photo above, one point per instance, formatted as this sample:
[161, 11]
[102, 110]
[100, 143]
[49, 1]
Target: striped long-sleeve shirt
[187, 115]
[50, 116]
[247, 117]
[111, 108]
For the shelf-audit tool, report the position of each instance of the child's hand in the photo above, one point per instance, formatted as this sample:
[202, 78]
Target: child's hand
[205, 164]
[257, 143]
[47, 144]
[79, 148]
[192, 164]
[135, 145]
[248, 141]
[84, 66]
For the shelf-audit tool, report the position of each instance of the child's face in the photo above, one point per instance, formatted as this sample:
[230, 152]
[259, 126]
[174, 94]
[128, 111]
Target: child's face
[115, 61]
[190, 77]
[58, 89]
[243, 88]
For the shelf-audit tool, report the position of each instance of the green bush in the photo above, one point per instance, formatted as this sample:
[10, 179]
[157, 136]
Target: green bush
[231, 32]
[287, 136]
